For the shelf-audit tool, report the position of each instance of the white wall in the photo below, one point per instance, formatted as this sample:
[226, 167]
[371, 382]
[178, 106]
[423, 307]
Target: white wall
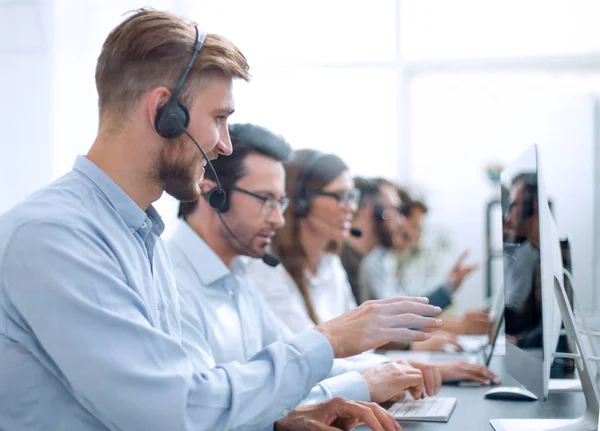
[26, 56]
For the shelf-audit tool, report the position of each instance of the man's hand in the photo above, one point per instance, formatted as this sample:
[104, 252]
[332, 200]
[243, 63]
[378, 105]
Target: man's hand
[432, 376]
[460, 271]
[465, 371]
[376, 323]
[440, 341]
[391, 381]
[336, 414]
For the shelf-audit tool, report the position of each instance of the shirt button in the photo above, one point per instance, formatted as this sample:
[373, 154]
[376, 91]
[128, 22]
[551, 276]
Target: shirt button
[285, 412]
[144, 225]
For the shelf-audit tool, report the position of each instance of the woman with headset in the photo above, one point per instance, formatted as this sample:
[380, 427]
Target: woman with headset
[311, 285]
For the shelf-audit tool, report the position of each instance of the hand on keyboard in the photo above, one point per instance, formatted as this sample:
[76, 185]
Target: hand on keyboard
[391, 381]
[432, 376]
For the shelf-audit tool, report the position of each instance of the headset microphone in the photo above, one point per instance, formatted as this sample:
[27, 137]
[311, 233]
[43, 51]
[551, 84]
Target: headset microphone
[355, 232]
[216, 198]
[172, 119]
[268, 258]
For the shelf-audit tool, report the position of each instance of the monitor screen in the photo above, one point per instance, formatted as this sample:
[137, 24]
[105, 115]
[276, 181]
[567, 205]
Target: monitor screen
[521, 248]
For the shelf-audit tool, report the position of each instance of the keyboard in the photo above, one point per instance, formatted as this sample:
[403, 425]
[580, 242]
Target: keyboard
[426, 410]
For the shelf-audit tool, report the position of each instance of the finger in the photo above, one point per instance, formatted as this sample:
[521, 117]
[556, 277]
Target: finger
[472, 377]
[416, 393]
[428, 376]
[364, 414]
[471, 268]
[384, 418]
[319, 426]
[488, 374]
[475, 373]
[403, 334]
[410, 307]
[480, 316]
[415, 384]
[394, 299]
[456, 344]
[410, 320]
[401, 396]
[438, 379]
[461, 259]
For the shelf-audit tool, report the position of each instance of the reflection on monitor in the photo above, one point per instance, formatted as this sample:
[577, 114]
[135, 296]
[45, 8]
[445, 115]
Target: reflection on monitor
[522, 276]
[531, 257]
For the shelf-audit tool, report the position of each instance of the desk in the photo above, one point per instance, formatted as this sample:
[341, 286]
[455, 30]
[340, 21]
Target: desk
[473, 412]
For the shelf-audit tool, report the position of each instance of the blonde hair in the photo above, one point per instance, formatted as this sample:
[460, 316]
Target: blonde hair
[151, 49]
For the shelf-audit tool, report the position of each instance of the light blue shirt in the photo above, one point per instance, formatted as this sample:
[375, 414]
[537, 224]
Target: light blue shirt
[223, 308]
[90, 326]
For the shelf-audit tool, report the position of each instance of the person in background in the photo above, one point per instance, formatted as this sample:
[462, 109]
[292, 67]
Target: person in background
[473, 321]
[90, 332]
[219, 303]
[371, 260]
[311, 286]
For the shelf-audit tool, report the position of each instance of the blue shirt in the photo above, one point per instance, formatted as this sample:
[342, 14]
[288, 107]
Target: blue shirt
[223, 308]
[90, 326]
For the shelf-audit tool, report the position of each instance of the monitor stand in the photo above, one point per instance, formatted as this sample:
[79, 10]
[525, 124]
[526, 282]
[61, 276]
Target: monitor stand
[589, 420]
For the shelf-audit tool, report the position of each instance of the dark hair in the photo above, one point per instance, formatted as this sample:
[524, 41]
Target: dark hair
[409, 202]
[530, 188]
[246, 139]
[286, 243]
[369, 191]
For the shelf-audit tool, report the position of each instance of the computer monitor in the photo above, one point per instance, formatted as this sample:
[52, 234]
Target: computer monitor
[533, 281]
[532, 258]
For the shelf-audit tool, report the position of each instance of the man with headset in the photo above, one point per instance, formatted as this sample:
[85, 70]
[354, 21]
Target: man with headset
[89, 317]
[218, 300]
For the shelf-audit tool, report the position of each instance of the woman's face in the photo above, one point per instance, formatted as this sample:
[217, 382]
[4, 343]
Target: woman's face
[332, 208]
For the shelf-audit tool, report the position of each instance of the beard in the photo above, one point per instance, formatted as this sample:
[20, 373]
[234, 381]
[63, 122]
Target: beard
[178, 173]
[247, 236]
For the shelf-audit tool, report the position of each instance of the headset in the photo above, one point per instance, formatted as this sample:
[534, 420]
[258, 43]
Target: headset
[301, 204]
[528, 210]
[301, 199]
[172, 119]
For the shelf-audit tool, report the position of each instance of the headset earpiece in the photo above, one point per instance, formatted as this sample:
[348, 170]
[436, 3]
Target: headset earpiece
[217, 199]
[378, 212]
[301, 207]
[301, 204]
[528, 209]
[171, 119]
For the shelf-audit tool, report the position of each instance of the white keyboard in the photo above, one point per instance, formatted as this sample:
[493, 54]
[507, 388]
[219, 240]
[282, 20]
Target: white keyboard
[428, 409]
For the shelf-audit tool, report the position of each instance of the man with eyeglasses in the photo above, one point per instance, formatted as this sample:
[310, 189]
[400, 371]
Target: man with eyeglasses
[221, 305]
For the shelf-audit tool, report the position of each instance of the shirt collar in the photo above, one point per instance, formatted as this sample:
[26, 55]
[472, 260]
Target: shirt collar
[208, 266]
[131, 213]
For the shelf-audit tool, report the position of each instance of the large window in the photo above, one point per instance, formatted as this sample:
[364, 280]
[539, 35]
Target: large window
[424, 91]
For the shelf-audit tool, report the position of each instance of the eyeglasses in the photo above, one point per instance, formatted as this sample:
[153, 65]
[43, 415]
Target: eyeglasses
[344, 197]
[269, 203]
